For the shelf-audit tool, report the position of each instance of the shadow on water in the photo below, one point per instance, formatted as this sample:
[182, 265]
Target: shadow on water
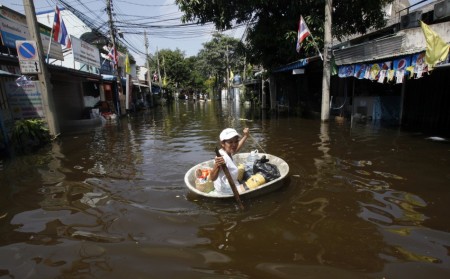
[361, 201]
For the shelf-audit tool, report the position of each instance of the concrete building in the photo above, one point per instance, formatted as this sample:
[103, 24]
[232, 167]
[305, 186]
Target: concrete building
[381, 75]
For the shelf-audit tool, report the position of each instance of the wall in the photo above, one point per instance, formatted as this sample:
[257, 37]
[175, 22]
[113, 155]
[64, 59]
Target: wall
[414, 40]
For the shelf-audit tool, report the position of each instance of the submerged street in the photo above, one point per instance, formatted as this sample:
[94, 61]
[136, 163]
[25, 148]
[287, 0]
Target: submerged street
[361, 201]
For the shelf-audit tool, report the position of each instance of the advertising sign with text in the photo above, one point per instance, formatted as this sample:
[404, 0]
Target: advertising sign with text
[13, 27]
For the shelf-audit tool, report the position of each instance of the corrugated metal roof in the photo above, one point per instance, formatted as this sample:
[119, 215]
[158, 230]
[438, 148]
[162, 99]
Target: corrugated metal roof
[373, 50]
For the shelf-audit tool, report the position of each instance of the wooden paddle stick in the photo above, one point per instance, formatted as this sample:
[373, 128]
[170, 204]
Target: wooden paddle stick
[230, 181]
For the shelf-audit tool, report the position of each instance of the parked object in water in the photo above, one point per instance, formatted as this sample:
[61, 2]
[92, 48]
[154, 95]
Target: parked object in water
[240, 158]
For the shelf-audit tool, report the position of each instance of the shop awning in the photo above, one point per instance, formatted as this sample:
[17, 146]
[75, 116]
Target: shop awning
[4, 73]
[302, 63]
[294, 65]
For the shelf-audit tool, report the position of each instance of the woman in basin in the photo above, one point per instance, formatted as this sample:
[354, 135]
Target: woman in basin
[231, 143]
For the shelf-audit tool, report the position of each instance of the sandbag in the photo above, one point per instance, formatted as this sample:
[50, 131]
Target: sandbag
[240, 172]
[255, 181]
[267, 170]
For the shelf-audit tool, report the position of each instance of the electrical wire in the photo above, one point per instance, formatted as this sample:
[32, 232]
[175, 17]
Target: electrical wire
[132, 26]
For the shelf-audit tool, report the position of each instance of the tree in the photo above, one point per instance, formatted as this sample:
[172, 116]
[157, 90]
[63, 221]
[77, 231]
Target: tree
[216, 54]
[177, 71]
[197, 79]
[272, 25]
[173, 67]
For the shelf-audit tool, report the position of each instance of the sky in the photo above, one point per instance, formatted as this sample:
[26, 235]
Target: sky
[158, 17]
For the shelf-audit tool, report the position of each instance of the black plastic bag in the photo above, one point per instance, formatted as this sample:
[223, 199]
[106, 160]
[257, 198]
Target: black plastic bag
[268, 170]
[247, 174]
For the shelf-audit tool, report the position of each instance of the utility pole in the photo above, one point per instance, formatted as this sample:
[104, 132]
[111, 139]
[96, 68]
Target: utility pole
[147, 64]
[159, 71]
[44, 76]
[325, 112]
[263, 90]
[228, 75]
[112, 33]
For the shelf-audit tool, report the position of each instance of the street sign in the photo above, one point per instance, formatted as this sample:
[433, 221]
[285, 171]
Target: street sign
[30, 67]
[28, 57]
[27, 50]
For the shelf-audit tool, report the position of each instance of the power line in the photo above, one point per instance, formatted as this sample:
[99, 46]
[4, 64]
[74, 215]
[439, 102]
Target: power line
[131, 27]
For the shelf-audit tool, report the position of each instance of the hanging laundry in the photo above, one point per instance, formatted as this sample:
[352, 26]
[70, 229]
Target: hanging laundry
[399, 75]
[402, 63]
[418, 61]
[382, 76]
[374, 71]
[360, 71]
[409, 71]
[390, 75]
[346, 71]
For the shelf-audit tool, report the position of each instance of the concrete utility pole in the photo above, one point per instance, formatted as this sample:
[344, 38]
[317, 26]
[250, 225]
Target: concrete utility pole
[147, 64]
[44, 76]
[228, 75]
[263, 90]
[159, 71]
[112, 32]
[325, 113]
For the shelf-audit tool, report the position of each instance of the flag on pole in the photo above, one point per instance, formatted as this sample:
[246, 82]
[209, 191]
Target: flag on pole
[60, 34]
[437, 49]
[303, 32]
[127, 65]
[112, 55]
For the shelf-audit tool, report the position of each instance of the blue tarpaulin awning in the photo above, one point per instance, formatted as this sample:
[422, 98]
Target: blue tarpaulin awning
[302, 63]
[294, 65]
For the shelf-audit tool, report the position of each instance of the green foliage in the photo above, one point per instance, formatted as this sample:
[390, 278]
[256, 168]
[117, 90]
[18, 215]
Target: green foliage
[201, 72]
[180, 72]
[272, 25]
[30, 134]
[213, 58]
[209, 84]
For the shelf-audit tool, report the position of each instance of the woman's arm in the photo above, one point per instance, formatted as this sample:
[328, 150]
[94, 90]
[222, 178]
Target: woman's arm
[214, 174]
[246, 132]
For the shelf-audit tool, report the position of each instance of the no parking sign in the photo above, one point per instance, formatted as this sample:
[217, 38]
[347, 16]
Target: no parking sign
[28, 57]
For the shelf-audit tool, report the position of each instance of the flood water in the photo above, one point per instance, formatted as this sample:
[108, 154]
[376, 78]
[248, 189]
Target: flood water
[361, 201]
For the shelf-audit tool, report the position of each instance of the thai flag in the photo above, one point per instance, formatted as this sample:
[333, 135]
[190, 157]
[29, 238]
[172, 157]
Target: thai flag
[303, 32]
[112, 55]
[60, 34]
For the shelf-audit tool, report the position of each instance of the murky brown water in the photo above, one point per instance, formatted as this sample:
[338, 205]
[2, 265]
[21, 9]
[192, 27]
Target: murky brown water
[360, 202]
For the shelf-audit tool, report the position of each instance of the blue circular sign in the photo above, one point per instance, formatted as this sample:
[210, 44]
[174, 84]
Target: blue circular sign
[27, 50]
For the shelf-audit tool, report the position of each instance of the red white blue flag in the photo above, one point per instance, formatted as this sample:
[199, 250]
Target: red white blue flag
[60, 34]
[112, 55]
[303, 32]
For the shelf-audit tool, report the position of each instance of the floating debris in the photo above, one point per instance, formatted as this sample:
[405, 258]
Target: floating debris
[388, 175]
[97, 237]
[245, 119]
[436, 139]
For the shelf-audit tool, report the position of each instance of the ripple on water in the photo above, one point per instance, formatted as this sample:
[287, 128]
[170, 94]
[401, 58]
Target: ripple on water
[394, 208]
